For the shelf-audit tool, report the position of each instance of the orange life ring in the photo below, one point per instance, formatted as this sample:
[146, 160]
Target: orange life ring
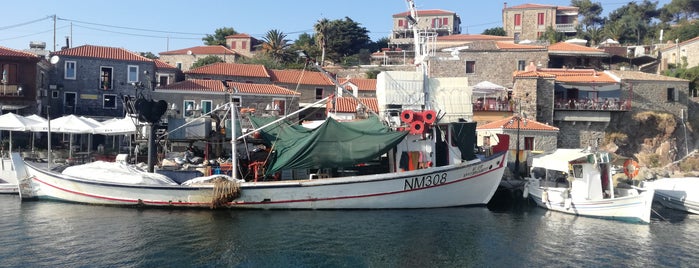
[631, 168]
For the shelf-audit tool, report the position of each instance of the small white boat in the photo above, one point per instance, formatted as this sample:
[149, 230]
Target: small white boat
[579, 182]
[677, 193]
[8, 177]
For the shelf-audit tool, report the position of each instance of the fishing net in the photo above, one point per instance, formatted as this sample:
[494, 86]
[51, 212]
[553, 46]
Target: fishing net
[225, 191]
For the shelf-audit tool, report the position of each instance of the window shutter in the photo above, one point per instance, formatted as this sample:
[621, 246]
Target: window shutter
[400, 23]
[445, 21]
[676, 93]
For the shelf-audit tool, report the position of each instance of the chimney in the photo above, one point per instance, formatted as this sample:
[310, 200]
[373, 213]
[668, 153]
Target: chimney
[504, 5]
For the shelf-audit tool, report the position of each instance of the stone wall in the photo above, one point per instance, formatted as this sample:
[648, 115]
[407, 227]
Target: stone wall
[493, 66]
[653, 96]
[580, 134]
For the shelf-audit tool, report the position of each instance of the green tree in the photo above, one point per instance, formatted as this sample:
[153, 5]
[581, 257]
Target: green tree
[594, 34]
[149, 55]
[635, 20]
[343, 38]
[211, 59]
[552, 36]
[680, 10]
[276, 45]
[321, 28]
[497, 31]
[219, 36]
[683, 32]
[378, 44]
[589, 11]
[307, 43]
[263, 59]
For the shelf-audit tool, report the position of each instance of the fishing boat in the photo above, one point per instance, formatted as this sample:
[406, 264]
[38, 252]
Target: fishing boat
[579, 182]
[677, 193]
[425, 170]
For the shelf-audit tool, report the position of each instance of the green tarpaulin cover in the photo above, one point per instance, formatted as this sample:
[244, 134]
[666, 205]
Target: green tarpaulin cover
[332, 144]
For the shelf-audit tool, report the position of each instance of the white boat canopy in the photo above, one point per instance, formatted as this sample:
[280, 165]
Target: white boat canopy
[486, 87]
[559, 159]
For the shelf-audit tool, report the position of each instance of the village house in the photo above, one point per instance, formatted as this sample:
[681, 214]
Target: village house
[166, 74]
[526, 136]
[359, 87]
[232, 72]
[435, 21]
[183, 59]
[348, 108]
[313, 86]
[582, 103]
[93, 80]
[682, 55]
[530, 21]
[243, 44]
[25, 77]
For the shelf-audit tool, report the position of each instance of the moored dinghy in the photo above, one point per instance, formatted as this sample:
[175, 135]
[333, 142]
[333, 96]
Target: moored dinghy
[677, 193]
[579, 182]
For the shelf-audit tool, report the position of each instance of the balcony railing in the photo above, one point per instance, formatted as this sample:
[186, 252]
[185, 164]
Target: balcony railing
[10, 90]
[565, 27]
[493, 106]
[608, 104]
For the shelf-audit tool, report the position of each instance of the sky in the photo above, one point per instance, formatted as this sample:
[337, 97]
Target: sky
[159, 26]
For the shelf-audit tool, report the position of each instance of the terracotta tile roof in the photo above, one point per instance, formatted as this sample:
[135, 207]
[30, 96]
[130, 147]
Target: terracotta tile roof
[636, 75]
[301, 77]
[568, 48]
[511, 124]
[100, 52]
[201, 50]
[586, 76]
[241, 35]
[203, 85]
[232, 69]
[511, 46]
[361, 83]
[349, 104]
[162, 65]
[534, 6]
[9, 52]
[472, 37]
[427, 12]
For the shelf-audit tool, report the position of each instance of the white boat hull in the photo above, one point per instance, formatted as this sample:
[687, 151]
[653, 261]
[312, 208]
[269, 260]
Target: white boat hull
[677, 193]
[447, 186]
[634, 208]
[8, 177]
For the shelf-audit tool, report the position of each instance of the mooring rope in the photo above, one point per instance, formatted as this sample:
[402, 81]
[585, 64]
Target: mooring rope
[224, 191]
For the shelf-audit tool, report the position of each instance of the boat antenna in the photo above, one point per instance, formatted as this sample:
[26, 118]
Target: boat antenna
[420, 51]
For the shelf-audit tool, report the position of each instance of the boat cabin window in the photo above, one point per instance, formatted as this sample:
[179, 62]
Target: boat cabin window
[577, 171]
[539, 173]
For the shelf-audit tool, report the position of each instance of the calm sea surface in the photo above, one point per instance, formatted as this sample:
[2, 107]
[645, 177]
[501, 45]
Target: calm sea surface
[52, 234]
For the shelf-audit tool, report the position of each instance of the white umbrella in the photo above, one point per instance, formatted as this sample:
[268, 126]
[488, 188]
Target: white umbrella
[13, 122]
[38, 119]
[68, 124]
[118, 126]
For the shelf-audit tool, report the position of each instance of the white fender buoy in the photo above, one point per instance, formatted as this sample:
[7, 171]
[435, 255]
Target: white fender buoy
[545, 197]
[525, 192]
[568, 202]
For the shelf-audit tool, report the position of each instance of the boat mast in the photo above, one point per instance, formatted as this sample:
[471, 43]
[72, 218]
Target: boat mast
[420, 52]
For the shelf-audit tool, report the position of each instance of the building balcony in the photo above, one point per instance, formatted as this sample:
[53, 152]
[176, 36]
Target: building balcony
[609, 104]
[565, 27]
[11, 90]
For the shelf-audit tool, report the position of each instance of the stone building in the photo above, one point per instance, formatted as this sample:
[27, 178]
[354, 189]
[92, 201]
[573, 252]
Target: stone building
[583, 103]
[530, 21]
[92, 80]
[24, 81]
[359, 87]
[526, 135]
[183, 59]
[243, 44]
[435, 21]
[568, 55]
[492, 61]
[686, 52]
[166, 74]
[313, 86]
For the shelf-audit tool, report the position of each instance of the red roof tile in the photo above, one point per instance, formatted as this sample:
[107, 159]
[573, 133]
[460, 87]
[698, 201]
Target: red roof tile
[573, 48]
[349, 104]
[534, 6]
[300, 77]
[586, 76]
[472, 37]
[361, 83]
[201, 50]
[100, 52]
[203, 85]
[427, 12]
[510, 123]
[241, 35]
[232, 69]
[163, 65]
[9, 52]
[508, 45]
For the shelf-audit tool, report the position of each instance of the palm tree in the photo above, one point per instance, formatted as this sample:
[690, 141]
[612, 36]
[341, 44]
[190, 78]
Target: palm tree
[321, 38]
[613, 30]
[594, 33]
[275, 44]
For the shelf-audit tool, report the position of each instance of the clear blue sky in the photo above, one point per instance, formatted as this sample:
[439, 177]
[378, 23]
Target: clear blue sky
[146, 25]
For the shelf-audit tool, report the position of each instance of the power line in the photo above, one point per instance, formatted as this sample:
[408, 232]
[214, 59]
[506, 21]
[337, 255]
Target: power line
[21, 36]
[24, 23]
[134, 34]
[129, 28]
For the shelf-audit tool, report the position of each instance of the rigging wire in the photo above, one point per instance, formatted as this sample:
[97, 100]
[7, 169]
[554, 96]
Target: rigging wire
[129, 28]
[134, 34]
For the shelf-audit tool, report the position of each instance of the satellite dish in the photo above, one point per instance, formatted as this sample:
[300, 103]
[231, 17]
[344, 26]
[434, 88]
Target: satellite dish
[54, 59]
[189, 52]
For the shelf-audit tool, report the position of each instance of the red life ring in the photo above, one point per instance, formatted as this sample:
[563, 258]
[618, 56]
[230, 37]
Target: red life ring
[631, 168]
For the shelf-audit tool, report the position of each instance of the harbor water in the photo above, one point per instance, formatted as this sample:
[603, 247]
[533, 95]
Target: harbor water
[54, 234]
